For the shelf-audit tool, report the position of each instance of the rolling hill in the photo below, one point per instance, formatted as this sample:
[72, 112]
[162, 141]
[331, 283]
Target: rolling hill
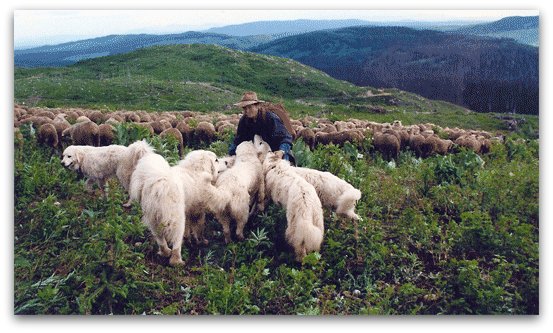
[483, 74]
[72, 52]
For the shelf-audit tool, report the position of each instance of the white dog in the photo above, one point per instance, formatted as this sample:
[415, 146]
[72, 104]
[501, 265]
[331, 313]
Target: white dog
[127, 164]
[304, 212]
[334, 193]
[243, 182]
[161, 195]
[96, 163]
[197, 173]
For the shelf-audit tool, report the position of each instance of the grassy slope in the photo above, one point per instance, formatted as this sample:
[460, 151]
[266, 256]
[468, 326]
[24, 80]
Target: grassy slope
[211, 78]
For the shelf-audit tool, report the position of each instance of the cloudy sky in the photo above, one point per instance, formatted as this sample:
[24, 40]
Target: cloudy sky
[39, 27]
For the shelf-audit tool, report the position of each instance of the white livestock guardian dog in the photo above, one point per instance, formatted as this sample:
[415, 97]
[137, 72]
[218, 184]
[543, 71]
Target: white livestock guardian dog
[334, 192]
[97, 164]
[243, 182]
[161, 195]
[127, 165]
[304, 212]
[197, 173]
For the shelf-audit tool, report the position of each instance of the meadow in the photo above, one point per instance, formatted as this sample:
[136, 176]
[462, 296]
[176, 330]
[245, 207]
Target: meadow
[453, 234]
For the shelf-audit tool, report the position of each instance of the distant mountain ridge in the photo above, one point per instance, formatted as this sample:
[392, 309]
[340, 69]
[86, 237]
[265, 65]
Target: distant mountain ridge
[484, 74]
[523, 29]
[69, 53]
[284, 28]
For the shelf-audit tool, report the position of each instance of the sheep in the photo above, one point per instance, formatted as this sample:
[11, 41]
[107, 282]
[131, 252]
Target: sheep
[387, 144]
[82, 133]
[442, 146]
[422, 146]
[175, 133]
[47, 135]
[185, 130]
[96, 116]
[204, 132]
[105, 134]
[470, 142]
[304, 213]
[308, 137]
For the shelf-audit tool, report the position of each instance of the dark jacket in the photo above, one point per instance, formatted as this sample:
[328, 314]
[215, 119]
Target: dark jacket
[270, 128]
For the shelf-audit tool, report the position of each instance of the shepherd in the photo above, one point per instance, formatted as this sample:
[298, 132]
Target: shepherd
[268, 120]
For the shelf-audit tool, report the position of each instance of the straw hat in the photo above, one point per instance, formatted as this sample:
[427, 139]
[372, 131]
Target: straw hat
[249, 98]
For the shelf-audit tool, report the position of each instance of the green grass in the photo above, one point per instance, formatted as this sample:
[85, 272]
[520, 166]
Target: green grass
[444, 235]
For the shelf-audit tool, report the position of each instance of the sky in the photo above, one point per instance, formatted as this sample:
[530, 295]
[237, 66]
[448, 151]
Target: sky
[39, 27]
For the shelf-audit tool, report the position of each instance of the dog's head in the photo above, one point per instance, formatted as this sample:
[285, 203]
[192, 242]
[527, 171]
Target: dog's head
[138, 149]
[202, 161]
[261, 147]
[226, 163]
[246, 148]
[72, 158]
[272, 160]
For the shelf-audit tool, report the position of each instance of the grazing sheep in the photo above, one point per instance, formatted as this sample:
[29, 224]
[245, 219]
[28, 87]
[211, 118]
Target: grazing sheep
[82, 119]
[161, 195]
[186, 131]
[47, 114]
[105, 134]
[387, 144]
[304, 213]
[470, 142]
[96, 116]
[36, 121]
[442, 146]
[82, 133]
[175, 133]
[422, 146]
[204, 133]
[243, 182]
[47, 135]
[308, 137]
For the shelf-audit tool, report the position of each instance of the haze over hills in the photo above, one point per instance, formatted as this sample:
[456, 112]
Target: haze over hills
[484, 74]
[523, 29]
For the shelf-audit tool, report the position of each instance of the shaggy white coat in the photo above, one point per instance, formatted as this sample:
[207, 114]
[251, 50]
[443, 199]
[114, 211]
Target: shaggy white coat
[243, 182]
[96, 163]
[161, 195]
[197, 173]
[127, 164]
[334, 193]
[304, 213]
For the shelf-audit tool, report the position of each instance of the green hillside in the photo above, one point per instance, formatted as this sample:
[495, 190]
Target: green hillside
[211, 78]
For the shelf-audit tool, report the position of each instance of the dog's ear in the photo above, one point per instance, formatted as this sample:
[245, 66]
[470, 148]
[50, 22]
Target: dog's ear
[279, 154]
[79, 156]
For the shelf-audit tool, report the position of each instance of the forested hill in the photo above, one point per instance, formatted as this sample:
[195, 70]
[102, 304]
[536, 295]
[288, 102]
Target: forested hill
[483, 74]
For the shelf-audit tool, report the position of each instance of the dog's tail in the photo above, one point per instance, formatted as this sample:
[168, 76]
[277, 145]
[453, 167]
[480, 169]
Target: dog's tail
[346, 203]
[218, 199]
[305, 233]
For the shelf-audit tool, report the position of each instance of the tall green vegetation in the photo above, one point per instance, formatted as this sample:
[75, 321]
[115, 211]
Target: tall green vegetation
[454, 234]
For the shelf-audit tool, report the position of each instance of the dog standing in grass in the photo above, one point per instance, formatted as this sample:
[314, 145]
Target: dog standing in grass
[304, 213]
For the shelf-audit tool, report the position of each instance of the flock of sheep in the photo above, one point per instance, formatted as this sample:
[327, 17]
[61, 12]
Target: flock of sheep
[92, 127]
